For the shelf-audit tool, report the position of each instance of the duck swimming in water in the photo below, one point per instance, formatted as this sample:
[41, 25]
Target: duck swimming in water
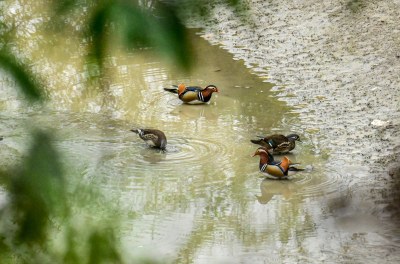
[153, 137]
[276, 170]
[189, 94]
[278, 144]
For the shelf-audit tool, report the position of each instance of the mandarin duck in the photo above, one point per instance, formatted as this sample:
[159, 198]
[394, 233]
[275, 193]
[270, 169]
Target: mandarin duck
[197, 94]
[276, 170]
[278, 144]
[153, 137]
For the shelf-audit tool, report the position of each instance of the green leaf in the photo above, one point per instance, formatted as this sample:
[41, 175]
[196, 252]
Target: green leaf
[25, 79]
[103, 247]
[131, 24]
[38, 191]
[98, 23]
[139, 27]
[63, 6]
[159, 28]
[169, 35]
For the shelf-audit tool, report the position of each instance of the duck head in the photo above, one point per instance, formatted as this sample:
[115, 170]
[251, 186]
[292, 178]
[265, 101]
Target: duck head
[261, 151]
[212, 88]
[293, 137]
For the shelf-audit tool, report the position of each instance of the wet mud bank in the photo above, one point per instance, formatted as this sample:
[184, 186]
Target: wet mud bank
[338, 64]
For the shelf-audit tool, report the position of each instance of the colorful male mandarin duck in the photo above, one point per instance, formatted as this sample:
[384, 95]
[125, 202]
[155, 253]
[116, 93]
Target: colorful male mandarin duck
[153, 137]
[197, 94]
[277, 170]
[278, 144]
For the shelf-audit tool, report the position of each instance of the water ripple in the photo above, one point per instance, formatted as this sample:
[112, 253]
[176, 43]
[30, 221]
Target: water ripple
[303, 185]
[194, 151]
[137, 161]
[317, 184]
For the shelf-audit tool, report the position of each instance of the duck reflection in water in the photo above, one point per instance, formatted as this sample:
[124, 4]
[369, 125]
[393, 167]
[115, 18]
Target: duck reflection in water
[270, 188]
[153, 155]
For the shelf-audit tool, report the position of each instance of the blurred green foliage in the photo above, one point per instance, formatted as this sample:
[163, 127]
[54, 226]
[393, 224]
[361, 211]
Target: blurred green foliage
[135, 23]
[44, 210]
[46, 217]
[21, 73]
[37, 191]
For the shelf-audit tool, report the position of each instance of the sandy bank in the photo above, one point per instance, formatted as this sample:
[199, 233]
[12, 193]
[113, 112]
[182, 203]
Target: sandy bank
[338, 64]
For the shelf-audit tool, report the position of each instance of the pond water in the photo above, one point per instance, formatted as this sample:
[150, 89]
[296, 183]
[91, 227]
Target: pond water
[203, 200]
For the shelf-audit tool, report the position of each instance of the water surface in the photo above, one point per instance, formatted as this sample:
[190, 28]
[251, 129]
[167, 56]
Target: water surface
[203, 200]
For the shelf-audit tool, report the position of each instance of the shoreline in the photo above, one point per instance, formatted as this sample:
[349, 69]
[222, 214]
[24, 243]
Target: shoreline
[338, 66]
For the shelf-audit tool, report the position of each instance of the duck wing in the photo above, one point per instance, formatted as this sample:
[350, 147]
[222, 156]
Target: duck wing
[261, 142]
[194, 88]
[149, 136]
[283, 147]
[276, 140]
[148, 133]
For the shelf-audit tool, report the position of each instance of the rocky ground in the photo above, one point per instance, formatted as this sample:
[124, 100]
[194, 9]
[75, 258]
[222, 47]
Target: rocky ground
[338, 63]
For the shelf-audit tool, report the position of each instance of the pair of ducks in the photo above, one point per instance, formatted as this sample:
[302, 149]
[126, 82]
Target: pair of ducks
[277, 144]
[187, 94]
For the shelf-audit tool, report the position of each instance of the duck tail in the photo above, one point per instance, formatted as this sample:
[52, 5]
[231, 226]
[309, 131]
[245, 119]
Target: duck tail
[257, 141]
[171, 90]
[292, 168]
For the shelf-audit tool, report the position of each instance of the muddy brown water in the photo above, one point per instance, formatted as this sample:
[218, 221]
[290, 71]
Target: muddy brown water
[203, 200]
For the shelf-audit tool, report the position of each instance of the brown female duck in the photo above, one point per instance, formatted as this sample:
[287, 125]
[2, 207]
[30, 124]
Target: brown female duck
[153, 137]
[278, 144]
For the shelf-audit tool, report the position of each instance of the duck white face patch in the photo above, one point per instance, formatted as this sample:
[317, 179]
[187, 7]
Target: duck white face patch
[263, 151]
